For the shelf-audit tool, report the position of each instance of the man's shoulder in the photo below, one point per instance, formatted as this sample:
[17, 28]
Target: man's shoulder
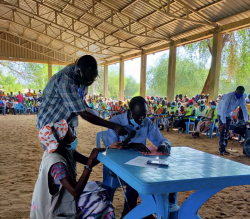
[119, 118]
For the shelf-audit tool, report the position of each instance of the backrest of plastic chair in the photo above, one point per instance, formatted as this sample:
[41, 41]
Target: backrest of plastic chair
[101, 135]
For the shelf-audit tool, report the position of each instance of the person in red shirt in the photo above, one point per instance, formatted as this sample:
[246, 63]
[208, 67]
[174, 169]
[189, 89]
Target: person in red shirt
[20, 97]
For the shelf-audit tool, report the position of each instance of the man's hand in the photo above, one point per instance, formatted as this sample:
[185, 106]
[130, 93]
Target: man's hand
[138, 147]
[120, 130]
[92, 161]
[116, 145]
[223, 126]
[164, 149]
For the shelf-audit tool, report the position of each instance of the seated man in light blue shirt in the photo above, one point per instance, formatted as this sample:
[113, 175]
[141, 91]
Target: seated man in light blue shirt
[225, 108]
[135, 119]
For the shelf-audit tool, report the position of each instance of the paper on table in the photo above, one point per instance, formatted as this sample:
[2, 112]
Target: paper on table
[142, 162]
[154, 151]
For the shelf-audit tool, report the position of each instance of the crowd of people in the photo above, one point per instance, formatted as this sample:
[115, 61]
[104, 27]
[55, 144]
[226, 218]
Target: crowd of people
[29, 101]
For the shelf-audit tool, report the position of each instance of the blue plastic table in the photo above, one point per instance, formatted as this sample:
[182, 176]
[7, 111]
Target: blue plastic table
[189, 169]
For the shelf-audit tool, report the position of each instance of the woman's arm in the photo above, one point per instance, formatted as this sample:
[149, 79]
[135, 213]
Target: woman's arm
[76, 189]
[80, 158]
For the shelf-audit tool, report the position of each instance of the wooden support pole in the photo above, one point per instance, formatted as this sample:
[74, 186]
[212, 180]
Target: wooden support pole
[105, 77]
[143, 75]
[121, 80]
[215, 66]
[49, 71]
[171, 73]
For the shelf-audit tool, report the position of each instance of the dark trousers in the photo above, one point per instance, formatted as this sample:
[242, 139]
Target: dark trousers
[182, 124]
[224, 133]
[132, 196]
[241, 130]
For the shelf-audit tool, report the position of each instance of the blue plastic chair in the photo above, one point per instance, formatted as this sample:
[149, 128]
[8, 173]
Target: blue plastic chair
[190, 122]
[110, 181]
[157, 121]
[2, 108]
[19, 107]
[212, 130]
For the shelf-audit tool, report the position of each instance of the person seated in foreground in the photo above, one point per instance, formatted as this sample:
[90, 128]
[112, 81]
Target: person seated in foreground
[206, 121]
[135, 119]
[57, 193]
[190, 112]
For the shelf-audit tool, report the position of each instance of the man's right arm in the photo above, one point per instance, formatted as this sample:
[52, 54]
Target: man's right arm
[120, 130]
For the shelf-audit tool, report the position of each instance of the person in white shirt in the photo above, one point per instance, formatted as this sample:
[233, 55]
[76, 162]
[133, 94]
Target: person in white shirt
[202, 109]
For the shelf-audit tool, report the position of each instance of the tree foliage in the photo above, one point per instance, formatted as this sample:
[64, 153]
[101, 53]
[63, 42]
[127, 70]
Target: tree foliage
[189, 78]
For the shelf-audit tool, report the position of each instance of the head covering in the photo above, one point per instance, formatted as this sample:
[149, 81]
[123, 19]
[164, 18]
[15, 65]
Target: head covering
[213, 103]
[190, 102]
[47, 138]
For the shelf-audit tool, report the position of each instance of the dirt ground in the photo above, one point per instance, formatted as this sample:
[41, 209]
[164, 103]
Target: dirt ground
[21, 153]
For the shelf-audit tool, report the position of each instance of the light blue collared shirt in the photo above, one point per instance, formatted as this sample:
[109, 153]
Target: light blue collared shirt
[228, 104]
[146, 130]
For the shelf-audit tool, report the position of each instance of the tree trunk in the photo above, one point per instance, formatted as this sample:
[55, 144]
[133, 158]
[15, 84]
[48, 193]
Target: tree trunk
[205, 89]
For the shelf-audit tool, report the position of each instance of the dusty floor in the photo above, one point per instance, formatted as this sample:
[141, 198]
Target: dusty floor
[21, 153]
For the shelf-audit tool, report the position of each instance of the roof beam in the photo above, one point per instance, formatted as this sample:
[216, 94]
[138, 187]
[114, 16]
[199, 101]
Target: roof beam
[195, 12]
[188, 40]
[175, 17]
[112, 24]
[61, 28]
[39, 52]
[34, 61]
[130, 17]
[55, 22]
[191, 13]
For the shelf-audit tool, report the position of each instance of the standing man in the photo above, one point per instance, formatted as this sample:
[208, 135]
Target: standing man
[62, 98]
[225, 108]
[20, 97]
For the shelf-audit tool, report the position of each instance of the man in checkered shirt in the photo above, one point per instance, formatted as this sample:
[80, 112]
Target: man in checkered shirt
[63, 97]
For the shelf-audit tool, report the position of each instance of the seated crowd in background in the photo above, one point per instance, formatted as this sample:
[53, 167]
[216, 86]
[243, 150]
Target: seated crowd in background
[30, 102]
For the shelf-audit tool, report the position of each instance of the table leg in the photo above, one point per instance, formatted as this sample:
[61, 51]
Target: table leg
[147, 207]
[111, 184]
[189, 209]
[162, 206]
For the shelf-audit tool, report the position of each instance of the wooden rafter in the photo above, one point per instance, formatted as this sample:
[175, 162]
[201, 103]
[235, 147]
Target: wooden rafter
[70, 29]
[174, 16]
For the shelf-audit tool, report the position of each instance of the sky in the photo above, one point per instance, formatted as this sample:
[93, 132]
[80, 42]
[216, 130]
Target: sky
[133, 66]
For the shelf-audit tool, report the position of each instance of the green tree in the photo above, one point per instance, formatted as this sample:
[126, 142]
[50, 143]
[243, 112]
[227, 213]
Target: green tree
[132, 87]
[189, 77]
[10, 83]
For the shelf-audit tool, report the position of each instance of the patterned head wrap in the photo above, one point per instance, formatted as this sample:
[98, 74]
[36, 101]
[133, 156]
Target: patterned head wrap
[47, 138]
